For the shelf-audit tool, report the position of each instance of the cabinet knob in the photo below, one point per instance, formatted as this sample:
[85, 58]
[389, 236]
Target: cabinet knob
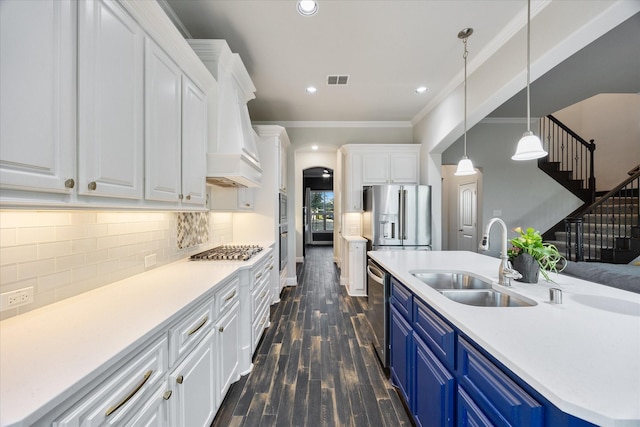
[180, 196]
[221, 329]
[92, 186]
[247, 204]
[188, 196]
[70, 183]
[167, 394]
[179, 379]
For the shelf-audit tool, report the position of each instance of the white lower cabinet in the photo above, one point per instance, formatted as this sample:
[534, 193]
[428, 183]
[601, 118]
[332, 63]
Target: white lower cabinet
[154, 412]
[228, 346]
[193, 400]
[178, 379]
[114, 401]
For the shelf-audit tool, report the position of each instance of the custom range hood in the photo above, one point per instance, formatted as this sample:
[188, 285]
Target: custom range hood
[232, 156]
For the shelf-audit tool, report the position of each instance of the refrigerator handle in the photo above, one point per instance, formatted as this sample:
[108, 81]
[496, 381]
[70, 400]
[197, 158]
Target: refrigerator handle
[402, 195]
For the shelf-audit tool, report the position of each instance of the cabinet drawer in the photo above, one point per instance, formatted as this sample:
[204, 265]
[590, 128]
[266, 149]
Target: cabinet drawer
[226, 296]
[402, 299]
[438, 335]
[112, 402]
[499, 397]
[468, 412]
[260, 323]
[259, 295]
[190, 330]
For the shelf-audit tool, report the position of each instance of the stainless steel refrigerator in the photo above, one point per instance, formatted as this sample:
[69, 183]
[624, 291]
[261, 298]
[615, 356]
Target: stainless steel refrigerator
[397, 217]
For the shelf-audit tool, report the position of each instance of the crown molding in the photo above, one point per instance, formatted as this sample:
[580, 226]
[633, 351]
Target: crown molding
[339, 124]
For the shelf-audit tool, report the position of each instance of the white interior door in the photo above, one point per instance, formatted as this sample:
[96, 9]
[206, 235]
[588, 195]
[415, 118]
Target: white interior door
[468, 217]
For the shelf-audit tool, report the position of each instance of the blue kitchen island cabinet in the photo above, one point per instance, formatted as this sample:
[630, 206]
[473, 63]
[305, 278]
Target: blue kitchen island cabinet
[434, 388]
[448, 380]
[401, 364]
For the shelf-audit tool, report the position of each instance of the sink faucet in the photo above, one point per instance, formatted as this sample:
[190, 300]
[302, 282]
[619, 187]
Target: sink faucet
[505, 272]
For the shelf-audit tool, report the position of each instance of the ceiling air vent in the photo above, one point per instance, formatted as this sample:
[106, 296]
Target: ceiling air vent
[337, 80]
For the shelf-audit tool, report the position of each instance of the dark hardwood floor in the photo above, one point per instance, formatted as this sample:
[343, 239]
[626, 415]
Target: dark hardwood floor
[315, 365]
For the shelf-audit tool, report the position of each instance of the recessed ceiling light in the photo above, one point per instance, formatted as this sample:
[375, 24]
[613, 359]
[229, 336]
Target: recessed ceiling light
[422, 89]
[311, 89]
[307, 7]
[314, 147]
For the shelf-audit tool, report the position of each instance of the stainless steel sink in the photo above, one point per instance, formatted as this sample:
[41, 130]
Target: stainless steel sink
[452, 280]
[485, 298]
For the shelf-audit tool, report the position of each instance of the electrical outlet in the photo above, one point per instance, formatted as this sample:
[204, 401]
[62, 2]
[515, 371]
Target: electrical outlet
[149, 260]
[16, 298]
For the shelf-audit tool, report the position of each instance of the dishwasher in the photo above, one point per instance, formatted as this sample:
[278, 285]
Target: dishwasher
[378, 290]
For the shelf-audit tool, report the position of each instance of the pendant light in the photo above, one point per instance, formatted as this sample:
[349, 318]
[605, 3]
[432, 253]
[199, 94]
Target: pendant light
[465, 167]
[529, 146]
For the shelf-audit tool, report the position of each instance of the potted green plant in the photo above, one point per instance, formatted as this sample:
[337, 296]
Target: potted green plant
[529, 255]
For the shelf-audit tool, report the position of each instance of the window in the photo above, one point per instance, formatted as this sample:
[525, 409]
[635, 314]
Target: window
[321, 211]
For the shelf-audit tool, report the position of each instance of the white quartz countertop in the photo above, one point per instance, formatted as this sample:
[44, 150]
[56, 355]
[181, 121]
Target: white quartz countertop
[50, 353]
[582, 355]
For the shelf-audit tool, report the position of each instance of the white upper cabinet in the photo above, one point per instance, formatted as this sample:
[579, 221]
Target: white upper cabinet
[110, 109]
[163, 109]
[376, 164]
[194, 143]
[37, 94]
[397, 167]
[93, 112]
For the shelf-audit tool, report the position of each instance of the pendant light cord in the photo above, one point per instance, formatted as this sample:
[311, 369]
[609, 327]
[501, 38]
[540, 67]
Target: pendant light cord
[528, 65]
[464, 55]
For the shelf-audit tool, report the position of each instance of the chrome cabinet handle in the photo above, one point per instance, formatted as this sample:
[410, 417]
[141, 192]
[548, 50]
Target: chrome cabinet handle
[230, 296]
[263, 294]
[92, 186]
[132, 393]
[200, 325]
[70, 183]
[167, 394]
[259, 275]
[180, 379]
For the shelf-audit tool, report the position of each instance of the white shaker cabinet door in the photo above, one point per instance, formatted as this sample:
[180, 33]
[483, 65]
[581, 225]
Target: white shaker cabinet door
[110, 109]
[110, 101]
[163, 99]
[194, 400]
[194, 143]
[404, 168]
[37, 94]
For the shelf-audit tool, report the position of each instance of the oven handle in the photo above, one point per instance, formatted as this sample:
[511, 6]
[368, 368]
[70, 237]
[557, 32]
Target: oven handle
[378, 278]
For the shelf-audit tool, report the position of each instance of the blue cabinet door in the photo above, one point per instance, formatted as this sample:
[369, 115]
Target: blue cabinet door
[434, 388]
[401, 335]
[468, 412]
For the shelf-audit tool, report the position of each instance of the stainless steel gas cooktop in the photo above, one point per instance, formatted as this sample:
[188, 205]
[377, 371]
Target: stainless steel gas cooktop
[228, 252]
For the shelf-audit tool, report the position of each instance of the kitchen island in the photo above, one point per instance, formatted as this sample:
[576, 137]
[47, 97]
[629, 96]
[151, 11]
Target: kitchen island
[582, 356]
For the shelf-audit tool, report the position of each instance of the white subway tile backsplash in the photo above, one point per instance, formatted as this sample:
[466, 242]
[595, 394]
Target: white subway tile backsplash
[9, 273]
[64, 253]
[98, 256]
[54, 249]
[69, 261]
[53, 281]
[27, 270]
[84, 245]
[107, 242]
[29, 235]
[116, 228]
[18, 254]
[96, 230]
[70, 232]
[7, 236]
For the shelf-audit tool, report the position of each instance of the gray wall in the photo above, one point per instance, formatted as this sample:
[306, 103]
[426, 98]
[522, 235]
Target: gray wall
[526, 196]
